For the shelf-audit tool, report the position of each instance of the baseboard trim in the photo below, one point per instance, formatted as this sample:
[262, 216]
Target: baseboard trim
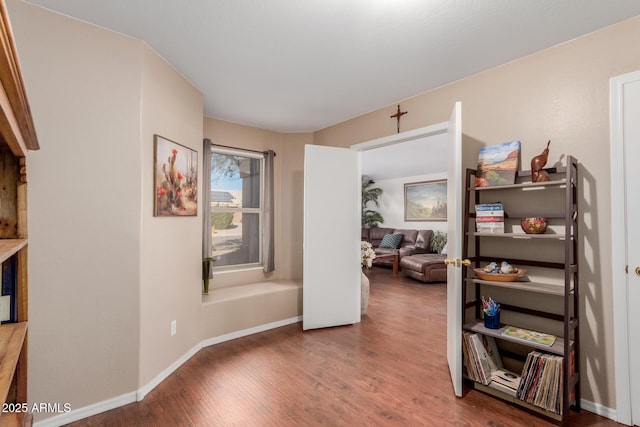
[125, 399]
[599, 409]
[87, 411]
[144, 390]
[250, 331]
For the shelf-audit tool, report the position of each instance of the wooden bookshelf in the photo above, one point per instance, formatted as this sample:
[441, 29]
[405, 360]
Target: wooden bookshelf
[17, 137]
[563, 211]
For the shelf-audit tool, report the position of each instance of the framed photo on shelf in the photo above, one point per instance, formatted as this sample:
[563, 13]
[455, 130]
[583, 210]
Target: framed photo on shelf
[425, 201]
[175, 179]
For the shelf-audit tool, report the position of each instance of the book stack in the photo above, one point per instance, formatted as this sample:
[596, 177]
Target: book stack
[542, 381]
[490, 218]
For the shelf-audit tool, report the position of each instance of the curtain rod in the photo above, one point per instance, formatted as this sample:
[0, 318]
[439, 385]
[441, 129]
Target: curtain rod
[236, 148]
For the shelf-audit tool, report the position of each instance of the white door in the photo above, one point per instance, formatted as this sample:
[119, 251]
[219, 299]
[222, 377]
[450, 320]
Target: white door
[454, 249]
[625, 234]
[331, 259]
[631, 105]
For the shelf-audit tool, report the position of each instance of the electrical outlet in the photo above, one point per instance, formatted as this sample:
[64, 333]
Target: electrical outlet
[173, 327]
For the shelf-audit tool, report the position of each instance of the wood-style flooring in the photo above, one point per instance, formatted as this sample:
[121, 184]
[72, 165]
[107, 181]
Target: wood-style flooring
[390, 369]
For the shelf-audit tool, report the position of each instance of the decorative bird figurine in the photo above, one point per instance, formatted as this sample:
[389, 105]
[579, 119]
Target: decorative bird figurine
[506, 268]
[491, 268]
[537, 165]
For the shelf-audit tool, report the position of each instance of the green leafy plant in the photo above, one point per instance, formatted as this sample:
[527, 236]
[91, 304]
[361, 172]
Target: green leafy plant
[370, 218]
[207, 265]
[438, 240]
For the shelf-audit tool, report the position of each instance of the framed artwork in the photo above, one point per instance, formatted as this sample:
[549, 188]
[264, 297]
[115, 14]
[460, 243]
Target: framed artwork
[425, 201]
[497, 164]
[175, 179]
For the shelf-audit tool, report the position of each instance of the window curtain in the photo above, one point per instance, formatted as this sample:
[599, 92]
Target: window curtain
[268, 245]
[207, 268]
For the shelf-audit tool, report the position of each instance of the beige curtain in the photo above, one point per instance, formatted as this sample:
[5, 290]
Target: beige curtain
[268, 245]
[207, 270]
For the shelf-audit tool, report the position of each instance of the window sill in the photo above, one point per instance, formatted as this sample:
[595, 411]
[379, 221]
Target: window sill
[237, 270]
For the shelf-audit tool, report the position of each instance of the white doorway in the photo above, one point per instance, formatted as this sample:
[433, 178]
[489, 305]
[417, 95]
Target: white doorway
[452, 132]
[625, 232]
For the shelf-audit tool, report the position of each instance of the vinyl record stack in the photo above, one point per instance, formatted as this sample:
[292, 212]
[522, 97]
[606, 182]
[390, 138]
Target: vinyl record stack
[541, 383]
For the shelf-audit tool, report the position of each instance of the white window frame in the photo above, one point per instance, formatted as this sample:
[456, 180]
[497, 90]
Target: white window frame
[259, 211]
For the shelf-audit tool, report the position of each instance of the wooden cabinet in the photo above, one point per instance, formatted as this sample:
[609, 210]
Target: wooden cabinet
[17, 136]
[545, 300]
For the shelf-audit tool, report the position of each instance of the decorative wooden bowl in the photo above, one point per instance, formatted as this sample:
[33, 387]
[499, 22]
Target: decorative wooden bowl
[534, 225]
[498, 277]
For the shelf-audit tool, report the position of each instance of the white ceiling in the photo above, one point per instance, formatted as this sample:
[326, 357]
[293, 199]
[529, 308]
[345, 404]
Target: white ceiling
[412, 158]
[303, 65]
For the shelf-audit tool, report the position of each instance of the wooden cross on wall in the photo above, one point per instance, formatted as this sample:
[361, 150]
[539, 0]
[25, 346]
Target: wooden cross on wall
[398, 115]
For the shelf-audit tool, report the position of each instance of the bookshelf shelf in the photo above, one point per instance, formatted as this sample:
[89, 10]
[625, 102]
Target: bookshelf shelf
[9, 247]
[521, 296]
[557, 347]
[525, 185]
[11, 339]
[521, 236]
[525, 285]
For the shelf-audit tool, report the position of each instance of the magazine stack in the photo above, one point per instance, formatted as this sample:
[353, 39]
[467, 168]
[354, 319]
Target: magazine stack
[490, 218]
[542, 379]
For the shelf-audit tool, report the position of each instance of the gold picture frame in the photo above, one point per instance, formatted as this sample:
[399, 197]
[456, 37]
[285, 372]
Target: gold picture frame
[425, 201]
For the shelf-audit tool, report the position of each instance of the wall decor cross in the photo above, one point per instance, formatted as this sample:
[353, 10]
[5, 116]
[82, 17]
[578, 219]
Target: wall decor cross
[398, 115]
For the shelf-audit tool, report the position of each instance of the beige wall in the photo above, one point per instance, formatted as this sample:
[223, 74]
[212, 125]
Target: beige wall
[171, 247]
[106, 277]
[561, 94]
[83, 85]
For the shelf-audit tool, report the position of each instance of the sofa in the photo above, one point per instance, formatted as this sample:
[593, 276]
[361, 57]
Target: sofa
[413, 241]
[416, 259]
[427, 268]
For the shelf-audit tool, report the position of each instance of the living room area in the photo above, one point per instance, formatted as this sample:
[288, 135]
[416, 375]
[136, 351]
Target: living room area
[404, 206]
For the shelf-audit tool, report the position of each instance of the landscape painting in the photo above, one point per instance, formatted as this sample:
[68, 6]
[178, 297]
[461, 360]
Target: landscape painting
[497, 164]
[425, 201]
[176, 179]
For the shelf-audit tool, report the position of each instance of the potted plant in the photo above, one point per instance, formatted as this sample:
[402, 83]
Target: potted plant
[207, 266]
[438, 241]
[370, 218]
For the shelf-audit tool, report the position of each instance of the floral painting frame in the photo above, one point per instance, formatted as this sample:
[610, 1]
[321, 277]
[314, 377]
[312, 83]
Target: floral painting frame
[175, 170]
[425, 201]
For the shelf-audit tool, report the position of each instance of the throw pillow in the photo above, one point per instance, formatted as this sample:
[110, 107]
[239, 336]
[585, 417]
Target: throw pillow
[391, 241]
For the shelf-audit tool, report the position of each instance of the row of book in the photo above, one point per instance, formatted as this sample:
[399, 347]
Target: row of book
[542, 381]
[490, 218]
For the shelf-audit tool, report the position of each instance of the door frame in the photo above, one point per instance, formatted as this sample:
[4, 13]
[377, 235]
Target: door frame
[619, 248]
[410, 135]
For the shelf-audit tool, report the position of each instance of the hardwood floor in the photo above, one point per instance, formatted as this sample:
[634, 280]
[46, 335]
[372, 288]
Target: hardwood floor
[390, 369]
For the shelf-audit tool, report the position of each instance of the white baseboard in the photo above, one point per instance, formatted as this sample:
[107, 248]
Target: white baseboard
[87, 411]
[250, 331]
[598, 409]
[125, 399]
[144, 390]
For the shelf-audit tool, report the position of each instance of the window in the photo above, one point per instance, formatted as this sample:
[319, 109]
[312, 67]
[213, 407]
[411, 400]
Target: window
[236, 207]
